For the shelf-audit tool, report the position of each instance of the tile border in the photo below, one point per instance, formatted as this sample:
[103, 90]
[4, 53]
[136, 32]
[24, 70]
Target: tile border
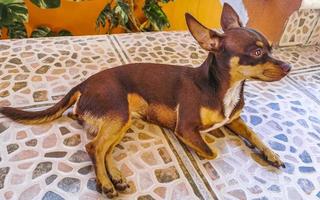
[190, 164]
[301, 88]
[305, 70]
[183, 166]
[121, 48]
[115, 49]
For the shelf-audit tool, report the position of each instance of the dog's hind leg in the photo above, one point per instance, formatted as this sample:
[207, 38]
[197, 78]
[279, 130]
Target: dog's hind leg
[76, 117]
[116, 177]
[109, 130]
[239, 127]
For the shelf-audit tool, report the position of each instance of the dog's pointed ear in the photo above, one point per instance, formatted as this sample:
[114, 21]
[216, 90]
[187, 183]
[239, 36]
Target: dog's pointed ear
[229, 19]
[208, 39]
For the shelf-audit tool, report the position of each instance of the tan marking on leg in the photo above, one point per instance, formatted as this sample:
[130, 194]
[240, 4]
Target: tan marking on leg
[162, 115]
[99, 146]
[209, 116]
[137, 105]
[118, 180]
[239, 127]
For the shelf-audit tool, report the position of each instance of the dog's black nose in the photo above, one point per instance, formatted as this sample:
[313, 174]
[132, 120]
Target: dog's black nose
[286, 67]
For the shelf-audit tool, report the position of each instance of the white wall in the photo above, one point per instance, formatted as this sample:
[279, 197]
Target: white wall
[310, 4]
[240, 9]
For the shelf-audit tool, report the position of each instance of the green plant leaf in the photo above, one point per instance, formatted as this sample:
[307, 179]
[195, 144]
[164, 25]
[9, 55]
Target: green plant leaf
[64, 32]
[11, 1]
[107, 14]
[158, 19]
[46, 3]
[165, 1]
[121, 14]
[122, 10]
[42, 31]
[19, 12]
[76, 0]
[17, 30]
[12, 12]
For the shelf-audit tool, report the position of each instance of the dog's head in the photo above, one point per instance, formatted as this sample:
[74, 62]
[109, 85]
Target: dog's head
[246, 51]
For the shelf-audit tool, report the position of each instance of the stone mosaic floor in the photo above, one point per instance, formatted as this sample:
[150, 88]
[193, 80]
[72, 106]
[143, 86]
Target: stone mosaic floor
[49, 161]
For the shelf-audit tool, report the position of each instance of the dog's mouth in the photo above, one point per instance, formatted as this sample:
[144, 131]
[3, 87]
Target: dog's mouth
[273, 75]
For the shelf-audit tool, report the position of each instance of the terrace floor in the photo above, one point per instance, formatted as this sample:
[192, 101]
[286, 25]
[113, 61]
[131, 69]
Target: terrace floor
[49, 161]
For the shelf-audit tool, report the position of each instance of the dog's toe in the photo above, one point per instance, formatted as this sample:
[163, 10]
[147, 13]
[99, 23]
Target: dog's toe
[109, 192]
[121, 186]
[280, 164]
[274, 159]
[276, 164]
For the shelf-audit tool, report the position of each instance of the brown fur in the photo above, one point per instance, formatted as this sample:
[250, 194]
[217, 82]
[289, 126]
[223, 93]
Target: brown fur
[185, 100]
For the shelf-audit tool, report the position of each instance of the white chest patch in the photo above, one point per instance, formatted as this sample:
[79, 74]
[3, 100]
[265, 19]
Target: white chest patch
[230, 100]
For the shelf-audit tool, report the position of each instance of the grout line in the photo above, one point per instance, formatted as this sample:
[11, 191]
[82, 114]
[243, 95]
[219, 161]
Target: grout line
[192, 165]
[115, 49]
[300, 87]
[307, 67]
[186, 170]
[123, 51]
[313, 29]
[306, 70]
[117, 45]
[195, 165]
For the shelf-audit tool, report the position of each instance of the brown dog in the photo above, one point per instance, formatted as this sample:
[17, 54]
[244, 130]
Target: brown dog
[186, 100]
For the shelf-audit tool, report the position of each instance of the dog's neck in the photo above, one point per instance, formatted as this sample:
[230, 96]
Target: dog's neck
[216, 71]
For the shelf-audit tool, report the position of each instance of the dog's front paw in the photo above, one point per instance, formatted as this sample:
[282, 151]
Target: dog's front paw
[273, 158]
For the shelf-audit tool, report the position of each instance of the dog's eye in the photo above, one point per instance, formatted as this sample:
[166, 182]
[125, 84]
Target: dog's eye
[257, 53]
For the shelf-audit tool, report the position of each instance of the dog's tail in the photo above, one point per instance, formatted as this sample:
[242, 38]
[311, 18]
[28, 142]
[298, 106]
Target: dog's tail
[38, 117]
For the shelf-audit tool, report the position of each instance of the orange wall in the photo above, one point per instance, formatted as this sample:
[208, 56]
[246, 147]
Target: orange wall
[206, 11]
[268, 17]
[80, 18]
